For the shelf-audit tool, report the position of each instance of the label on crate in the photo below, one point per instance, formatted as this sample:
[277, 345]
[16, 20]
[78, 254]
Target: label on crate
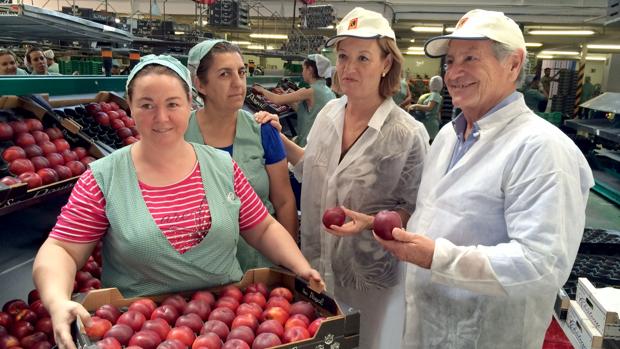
[325, 302]
[583, 330]
[62, 187]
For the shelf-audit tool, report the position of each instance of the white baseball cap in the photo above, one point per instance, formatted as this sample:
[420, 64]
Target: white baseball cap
[364, 24]
[479, 25]
[323, 65]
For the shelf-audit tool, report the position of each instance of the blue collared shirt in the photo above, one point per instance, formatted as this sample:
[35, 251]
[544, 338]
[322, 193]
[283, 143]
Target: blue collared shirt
[460, 125]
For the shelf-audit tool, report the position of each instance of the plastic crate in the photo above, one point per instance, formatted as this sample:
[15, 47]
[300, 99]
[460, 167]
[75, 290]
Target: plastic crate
[553, 117]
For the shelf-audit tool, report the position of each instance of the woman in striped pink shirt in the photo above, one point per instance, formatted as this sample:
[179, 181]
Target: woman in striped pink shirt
[169, 212]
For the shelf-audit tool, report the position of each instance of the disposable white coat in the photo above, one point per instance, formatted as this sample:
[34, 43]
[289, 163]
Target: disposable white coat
[382, 170]
[507, 220]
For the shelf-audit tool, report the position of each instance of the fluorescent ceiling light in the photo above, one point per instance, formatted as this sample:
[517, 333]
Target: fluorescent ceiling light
[255, 47]
[575, 57]
[412, 40]
[241, 42]
[560, 53]
[269, 36]
[179, 33]
[415, 48]
[450, 29]
[533, 44]
[328, 27]
[415, 53]
[561, 32]
[422, 29]
[603, 47]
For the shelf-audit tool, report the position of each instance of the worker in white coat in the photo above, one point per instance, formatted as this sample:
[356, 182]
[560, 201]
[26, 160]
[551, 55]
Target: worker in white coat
[501, 207]
[364, 153]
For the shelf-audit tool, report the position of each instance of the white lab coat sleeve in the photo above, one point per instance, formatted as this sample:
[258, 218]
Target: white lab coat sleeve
[408, 185]
[544, 209]
[298, 169]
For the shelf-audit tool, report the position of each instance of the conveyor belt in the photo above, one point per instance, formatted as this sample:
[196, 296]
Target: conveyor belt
[598, 127]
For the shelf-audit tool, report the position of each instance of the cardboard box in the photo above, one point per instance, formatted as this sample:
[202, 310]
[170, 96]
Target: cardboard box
[19, 196]
[601, 305]
[73, 111]
[339, 330]
[103, 96]
[587, 336]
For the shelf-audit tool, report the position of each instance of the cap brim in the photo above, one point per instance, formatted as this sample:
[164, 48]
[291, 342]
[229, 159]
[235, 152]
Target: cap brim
[438, 46]
[334, 39]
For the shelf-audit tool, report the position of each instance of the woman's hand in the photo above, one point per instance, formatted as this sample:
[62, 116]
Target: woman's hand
[63, 313]
[314, 279]
[358, 223]
[263, 117]
[258, 88]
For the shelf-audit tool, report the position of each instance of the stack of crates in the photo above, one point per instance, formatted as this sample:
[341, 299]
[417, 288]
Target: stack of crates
[564, 100]
[84, 67]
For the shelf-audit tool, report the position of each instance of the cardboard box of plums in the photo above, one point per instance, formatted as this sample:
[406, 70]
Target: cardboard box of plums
[105, 119]
[268, 308]
[41, 156]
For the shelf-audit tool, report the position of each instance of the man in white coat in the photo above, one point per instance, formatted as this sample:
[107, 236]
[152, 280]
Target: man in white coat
[501, 207]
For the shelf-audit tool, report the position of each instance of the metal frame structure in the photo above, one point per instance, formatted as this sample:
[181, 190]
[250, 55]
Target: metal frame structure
[27, 22]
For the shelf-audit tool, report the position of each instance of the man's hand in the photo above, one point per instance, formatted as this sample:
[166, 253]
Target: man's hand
[358, 223]
[410, 247]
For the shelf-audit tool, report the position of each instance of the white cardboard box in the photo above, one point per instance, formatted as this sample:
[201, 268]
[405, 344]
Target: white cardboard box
[582, 328]
[601, 305]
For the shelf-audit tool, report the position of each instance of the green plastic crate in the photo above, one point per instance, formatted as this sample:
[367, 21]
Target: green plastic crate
[553, 117]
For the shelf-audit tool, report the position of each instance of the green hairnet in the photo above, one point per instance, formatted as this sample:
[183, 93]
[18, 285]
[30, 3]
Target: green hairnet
[166, 61]
[198, 52]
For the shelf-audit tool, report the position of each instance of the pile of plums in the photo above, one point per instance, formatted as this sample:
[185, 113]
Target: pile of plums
[106, 122]
[26, 325]
[88, 278]
[256, 319]
[39, 156]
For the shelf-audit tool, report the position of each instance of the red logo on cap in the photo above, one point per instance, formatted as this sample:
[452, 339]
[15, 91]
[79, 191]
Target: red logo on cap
[462, 22]
[353, 24]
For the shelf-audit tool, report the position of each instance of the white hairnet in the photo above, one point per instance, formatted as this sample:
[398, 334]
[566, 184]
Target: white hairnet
[435, 84]
[323, 65]
[48, 54]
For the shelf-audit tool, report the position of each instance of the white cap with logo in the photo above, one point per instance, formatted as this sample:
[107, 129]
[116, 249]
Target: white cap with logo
[363, 24]
[479, 25]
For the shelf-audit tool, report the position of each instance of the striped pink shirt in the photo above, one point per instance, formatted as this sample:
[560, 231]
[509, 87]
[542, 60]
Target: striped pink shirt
[180, 210]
